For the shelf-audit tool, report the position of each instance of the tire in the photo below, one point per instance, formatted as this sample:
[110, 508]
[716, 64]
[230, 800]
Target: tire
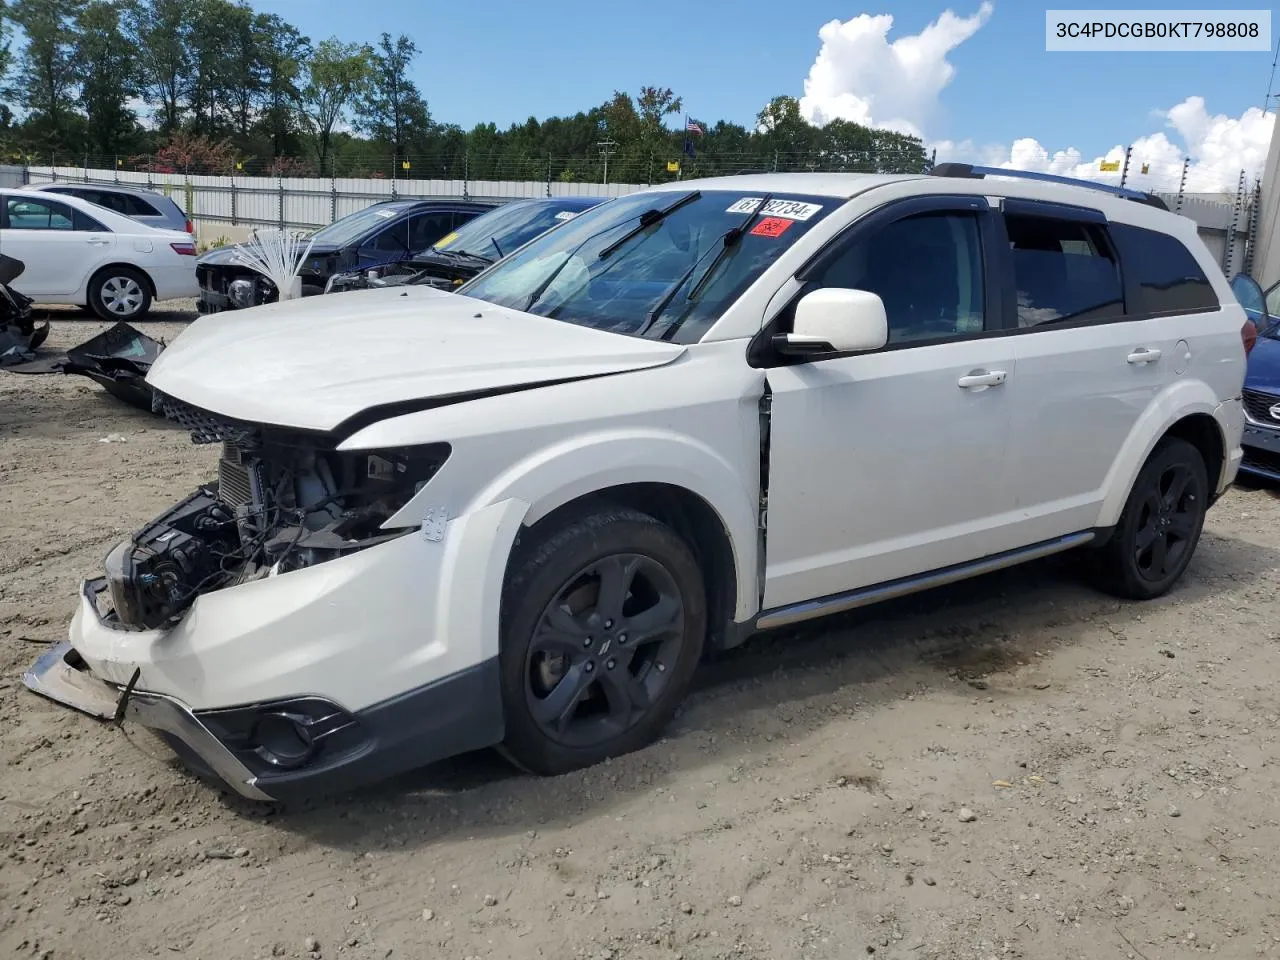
[120, 293]
[1160, 525]
[576, 688]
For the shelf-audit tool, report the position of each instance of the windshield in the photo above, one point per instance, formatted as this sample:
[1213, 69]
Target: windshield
[355, 225]
[604, 270]
[495, 234]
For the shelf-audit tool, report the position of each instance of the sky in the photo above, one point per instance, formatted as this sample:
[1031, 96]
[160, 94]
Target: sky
[971, 78]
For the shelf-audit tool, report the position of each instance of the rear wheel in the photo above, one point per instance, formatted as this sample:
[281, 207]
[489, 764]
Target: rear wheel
[603, 625]
[1160, 525]
[119, 293]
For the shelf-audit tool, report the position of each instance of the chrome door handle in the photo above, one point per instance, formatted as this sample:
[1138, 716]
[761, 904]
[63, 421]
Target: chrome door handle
[98, 241]
[981, 379]
[1144, 355]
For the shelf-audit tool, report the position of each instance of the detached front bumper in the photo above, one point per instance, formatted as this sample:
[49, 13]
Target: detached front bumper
[61, 675]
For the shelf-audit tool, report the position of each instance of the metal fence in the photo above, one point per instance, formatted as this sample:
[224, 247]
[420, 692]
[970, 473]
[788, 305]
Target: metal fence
[1226, 223]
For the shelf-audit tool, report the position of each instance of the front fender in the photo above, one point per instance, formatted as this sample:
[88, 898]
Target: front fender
[1174, 403]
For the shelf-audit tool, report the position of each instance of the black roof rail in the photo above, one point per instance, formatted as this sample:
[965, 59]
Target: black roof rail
[967, 171]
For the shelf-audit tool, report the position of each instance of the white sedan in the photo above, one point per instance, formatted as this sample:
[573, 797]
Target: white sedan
[78, 252]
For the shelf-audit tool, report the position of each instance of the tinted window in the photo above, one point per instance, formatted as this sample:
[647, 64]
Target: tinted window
[137, 207]
[112, 201]
[356, 225]
[426, 228]
[927, 269]
[1064, 270]
[27, 214]
[85, 222]
[394, 240]
[1170, 277]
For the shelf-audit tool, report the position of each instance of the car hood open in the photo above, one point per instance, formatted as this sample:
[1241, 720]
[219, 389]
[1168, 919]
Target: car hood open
[317, 362]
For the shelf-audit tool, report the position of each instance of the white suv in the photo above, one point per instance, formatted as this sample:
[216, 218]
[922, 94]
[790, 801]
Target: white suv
[518, 515]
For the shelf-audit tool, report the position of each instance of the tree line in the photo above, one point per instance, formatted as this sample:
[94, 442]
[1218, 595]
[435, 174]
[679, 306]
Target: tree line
[212, 86]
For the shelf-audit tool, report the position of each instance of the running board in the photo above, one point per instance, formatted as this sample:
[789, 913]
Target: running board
[865, 596]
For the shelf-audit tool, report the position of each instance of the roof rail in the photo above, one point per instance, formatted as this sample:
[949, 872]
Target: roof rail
[968, 171]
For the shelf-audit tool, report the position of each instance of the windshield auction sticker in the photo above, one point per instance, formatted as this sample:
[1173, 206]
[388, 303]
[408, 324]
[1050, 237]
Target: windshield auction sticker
[791, 209]
[1157, 30]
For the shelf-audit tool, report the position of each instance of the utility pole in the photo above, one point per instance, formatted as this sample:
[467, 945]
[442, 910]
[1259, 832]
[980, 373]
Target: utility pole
[606, 147]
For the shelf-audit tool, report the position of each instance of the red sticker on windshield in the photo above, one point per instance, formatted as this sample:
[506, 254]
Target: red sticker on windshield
[771, 227]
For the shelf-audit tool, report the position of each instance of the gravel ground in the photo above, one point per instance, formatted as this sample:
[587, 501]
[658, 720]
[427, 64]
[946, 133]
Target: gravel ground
[1014, 767]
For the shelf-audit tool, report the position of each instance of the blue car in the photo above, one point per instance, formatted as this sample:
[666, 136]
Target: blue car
[1261, 440]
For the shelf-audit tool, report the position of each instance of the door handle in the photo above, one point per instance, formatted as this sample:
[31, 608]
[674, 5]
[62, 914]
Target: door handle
[98, 241]
[1144, 355]
[981, 379]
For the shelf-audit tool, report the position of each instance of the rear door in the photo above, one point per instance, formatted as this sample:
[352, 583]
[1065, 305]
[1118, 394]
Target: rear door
[59, 245]
[1090, 362]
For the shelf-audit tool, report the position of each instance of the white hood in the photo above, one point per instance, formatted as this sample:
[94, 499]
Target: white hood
[315, 362]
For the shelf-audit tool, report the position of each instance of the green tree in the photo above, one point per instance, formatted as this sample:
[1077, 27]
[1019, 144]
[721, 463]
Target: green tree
[46, 78]
[283, 51]
[6, 54]
[108, 81]
[160, 33]
[392, 109]
[337, 76]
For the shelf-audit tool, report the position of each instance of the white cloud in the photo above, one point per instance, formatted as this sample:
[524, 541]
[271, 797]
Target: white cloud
[860, 75]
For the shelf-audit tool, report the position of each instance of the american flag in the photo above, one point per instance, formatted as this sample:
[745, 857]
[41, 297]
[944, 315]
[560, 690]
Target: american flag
[692, 126]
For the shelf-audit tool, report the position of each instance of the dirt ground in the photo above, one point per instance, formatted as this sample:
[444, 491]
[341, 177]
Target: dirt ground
[1014, 767]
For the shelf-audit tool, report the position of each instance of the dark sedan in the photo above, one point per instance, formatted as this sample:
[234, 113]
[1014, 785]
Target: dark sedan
[382, 233]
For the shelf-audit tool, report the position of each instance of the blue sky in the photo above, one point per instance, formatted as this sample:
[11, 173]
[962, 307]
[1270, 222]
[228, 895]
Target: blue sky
[504, 61]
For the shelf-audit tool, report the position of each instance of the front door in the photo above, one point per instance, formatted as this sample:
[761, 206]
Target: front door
[890, 464]
[56, 250]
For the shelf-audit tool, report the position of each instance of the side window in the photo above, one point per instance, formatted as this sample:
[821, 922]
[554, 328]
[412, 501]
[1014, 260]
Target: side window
[1064, 271]
[392, 240]
[88, 224]
[1166, 271]
[137, 207]
[27, 214]
[1273, 302]
[426, 228]
[926, 268]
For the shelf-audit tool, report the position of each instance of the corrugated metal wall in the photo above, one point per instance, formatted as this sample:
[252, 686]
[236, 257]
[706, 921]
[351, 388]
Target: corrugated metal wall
[12, 176]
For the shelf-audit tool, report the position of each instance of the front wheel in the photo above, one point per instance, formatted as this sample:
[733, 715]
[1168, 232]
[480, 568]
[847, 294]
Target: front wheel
[119, 293]
[1160, 525]
[603, 626]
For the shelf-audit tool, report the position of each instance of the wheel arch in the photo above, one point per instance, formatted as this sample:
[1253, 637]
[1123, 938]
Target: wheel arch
[691, 516]
[1185, 410]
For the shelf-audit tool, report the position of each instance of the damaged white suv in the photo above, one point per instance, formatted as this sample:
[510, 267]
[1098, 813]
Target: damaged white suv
[518, 515]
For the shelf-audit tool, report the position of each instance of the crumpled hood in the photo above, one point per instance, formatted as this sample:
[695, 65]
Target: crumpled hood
[314, 363]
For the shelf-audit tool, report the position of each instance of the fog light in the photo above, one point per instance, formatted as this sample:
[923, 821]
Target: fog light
[282, 740]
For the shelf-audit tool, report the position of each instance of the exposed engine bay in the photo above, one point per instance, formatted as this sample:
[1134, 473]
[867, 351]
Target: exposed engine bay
[283, 500]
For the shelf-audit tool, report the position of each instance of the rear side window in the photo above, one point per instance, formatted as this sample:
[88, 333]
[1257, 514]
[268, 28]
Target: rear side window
[1065, 271]
[1167, 273]
[137, 207]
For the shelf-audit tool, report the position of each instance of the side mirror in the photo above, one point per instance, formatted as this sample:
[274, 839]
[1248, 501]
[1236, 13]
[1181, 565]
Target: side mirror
[835, 320]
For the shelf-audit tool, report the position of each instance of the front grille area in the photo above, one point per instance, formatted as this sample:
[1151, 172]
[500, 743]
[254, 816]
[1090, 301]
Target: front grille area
[205, 427]
[1258, 405]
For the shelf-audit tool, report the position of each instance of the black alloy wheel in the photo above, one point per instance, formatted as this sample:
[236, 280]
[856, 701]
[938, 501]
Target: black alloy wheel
[603, 627]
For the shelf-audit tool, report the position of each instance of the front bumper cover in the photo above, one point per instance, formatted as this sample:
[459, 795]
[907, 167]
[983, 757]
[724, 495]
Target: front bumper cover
[61, 675]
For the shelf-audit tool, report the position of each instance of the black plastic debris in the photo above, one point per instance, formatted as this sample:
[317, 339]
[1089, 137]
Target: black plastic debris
[20, 335]
[118, 359]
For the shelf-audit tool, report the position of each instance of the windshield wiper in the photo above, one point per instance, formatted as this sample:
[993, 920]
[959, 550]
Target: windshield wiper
[647, 220]
[460, 255]
[730, 241]
[494, 241]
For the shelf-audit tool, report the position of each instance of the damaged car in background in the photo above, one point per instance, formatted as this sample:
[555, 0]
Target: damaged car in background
[518, 514]
[379, 234]
[460, 255]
